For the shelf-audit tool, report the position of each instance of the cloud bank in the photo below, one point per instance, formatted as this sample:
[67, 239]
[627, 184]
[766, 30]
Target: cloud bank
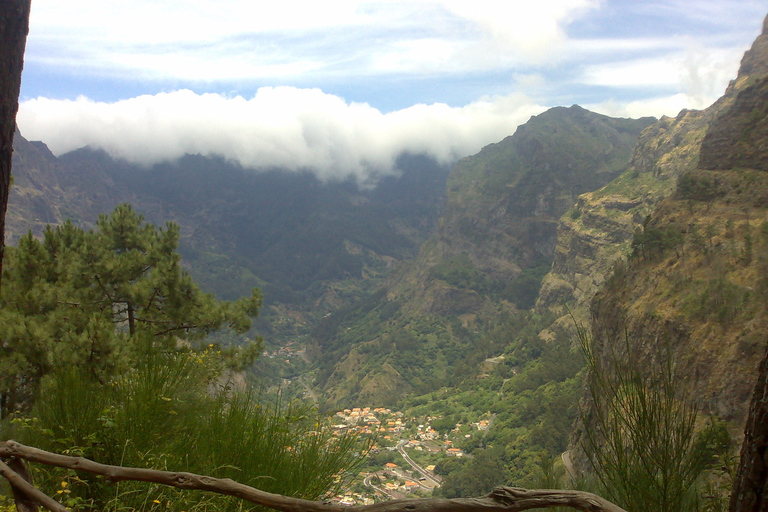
[285, 127]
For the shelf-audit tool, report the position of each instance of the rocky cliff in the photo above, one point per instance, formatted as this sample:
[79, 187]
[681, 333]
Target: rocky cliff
[695, 282]
[495, 240]
[597, 232]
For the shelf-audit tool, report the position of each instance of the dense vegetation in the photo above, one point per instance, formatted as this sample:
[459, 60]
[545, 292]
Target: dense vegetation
[105, 355]
[530, 394]
[96, 300]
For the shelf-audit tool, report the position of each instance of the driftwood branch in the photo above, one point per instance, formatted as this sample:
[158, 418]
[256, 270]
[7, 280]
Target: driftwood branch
[502, 499]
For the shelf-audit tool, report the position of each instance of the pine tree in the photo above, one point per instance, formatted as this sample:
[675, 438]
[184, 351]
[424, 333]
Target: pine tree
[97, 299]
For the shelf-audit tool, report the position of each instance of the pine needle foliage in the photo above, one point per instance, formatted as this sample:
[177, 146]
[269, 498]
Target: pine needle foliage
[640, 430]
[99, 299]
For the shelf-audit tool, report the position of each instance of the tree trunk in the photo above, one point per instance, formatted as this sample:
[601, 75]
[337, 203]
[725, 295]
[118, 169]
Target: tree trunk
[14, 27]
[750, 489]
[131, 320]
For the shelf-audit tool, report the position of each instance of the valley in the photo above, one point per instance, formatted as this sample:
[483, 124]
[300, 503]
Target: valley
[448, 312]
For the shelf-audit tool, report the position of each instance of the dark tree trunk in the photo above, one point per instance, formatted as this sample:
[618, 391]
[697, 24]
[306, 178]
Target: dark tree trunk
[14, 27]
[131, 320]
[750, 490]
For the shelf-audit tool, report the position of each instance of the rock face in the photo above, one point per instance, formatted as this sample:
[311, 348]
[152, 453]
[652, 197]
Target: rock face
[597, 232]
[503, 204]
[739, 136]
[755, 60]
[696, 282]
[496, 238]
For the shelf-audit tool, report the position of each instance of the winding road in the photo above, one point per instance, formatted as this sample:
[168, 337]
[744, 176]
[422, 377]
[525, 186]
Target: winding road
[566, 456]
[415, 466]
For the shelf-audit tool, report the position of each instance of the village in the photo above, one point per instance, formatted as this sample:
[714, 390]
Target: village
[402, 463]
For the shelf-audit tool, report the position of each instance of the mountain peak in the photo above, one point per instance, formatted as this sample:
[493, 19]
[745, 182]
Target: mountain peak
[755, 60]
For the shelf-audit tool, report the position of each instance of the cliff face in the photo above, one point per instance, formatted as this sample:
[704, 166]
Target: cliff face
[503, 206]
[737, 138]
[495, 240]
[597, 233]
[696, 282]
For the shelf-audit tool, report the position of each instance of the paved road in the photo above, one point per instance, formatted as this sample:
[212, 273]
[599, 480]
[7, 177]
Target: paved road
[568, 463]
[415, 466]
[389, 494]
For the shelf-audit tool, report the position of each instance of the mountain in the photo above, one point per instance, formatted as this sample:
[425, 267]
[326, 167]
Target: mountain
[445, 311]
[696, 279]
[598, 232]
[311, 246]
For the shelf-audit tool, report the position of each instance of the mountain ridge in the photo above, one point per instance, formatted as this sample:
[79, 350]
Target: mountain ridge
[494, 241]
[311, 246]
[700, 289]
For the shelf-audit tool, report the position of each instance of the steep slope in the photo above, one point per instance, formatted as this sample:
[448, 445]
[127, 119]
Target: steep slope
[696, 281]
[442, 312]
[598, 231]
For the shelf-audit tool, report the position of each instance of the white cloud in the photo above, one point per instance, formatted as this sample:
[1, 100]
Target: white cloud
[204, 40]
[656, 107]
[278, 127]
[531, 29]
[700, 74]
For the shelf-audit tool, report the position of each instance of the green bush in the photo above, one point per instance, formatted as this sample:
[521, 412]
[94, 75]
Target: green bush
[640, 432]
[165, 415]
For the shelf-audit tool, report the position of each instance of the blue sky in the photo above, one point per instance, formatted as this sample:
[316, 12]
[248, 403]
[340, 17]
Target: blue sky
[342, 87]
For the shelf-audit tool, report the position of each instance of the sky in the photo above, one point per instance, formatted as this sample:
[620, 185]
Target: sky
[342, 87]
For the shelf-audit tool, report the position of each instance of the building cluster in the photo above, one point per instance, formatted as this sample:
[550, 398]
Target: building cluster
[286, 352]
[394, 431]
[366, 420]
[353, 498]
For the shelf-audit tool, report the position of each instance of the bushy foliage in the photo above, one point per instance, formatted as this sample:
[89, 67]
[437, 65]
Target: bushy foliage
[652, 242]
[164, 414]
[108, 327]
[640, 430]
[97, 299]
[698, 188]
[530, 396]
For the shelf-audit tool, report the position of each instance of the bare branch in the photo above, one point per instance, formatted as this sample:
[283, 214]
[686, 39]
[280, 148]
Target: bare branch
[21, 486]
[23, 503]
[502, 499]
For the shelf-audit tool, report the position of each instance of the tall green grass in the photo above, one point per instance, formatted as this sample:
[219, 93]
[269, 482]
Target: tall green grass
[165, 414]
[650, 449]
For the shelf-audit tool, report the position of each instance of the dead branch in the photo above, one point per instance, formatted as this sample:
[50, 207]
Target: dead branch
[502, 499]
[24, 492]
[23, 503]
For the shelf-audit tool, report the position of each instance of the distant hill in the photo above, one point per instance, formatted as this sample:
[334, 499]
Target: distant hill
[310, 246]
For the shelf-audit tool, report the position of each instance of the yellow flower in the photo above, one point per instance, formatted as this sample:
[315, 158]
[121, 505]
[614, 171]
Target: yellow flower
[63, 484]
[156, 501]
